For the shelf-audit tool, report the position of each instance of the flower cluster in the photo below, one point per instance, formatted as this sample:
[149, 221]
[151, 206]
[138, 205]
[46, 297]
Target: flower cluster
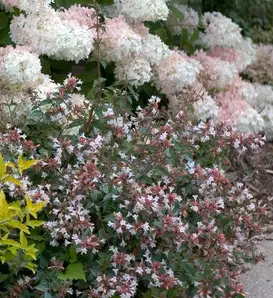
[27, 5]
[53, 33]
[133, 49]
[209, 78]
[19, 66]
[220, 31]
[223, 38]
[176, 72]
[217, 73]
[21, 77]
[234, 107]
[142, 10]
[137, 192]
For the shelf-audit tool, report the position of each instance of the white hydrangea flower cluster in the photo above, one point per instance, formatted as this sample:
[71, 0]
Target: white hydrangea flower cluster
[17, 100]
[137, 71]
[48, 34]
[142, 10]
[247, 54]
[220, 31]
[263, 96]
[153, 49]
[19, 66]
[205, 108]
[250, 121]
[21, 84]
[261, 99]
[28, 6]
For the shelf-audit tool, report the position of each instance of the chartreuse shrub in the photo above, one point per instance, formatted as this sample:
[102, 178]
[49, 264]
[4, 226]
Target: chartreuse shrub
[17, 218]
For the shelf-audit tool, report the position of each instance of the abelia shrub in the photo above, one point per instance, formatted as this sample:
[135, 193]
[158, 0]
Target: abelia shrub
[136, 204]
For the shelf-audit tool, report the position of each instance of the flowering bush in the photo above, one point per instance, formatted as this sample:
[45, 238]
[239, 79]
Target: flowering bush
[120, 36]
[136, 206]
[137, 202]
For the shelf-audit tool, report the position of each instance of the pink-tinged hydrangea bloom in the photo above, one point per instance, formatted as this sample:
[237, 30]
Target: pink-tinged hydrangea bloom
[12, 3]
[231, 107]
[118, 41]
[243, 55]
[226, 54]
[48, 34]
[235, 109]
[245, 89]
[216, 73]
[176, 72]
[84, 16]
[142, 10]
[238, 58]
[140, 29]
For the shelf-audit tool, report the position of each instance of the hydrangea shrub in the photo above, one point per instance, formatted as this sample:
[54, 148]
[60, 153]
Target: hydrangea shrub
[137, 202]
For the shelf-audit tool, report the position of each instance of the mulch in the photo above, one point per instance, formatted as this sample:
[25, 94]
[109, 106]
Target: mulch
[255, 169]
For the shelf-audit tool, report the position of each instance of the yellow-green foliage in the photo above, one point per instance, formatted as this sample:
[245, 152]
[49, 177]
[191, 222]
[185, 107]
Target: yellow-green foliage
[17, 217]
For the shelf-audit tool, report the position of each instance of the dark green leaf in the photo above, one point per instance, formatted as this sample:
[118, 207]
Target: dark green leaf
[4, 20]
[73, 271]
[4, 37]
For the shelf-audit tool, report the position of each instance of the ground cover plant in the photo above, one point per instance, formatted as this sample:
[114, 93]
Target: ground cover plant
[118, 120]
